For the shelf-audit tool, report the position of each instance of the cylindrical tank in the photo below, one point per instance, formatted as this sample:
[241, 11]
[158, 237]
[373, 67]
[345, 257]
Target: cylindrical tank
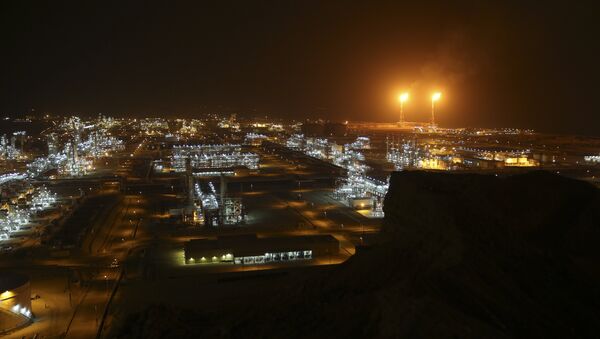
[15, 301]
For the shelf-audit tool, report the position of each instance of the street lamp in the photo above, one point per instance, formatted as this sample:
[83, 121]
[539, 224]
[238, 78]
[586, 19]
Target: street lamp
[402, 98]
[435, 97]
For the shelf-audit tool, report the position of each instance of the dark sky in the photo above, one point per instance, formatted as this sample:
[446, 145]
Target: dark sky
[498, 64]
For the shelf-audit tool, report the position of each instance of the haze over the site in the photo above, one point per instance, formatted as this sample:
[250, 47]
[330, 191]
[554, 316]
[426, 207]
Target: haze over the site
[498, 65]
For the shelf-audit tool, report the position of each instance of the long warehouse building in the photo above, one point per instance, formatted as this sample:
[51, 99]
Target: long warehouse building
[248, 249]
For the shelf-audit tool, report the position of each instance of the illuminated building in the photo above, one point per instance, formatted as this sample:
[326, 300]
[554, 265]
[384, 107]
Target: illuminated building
[212, 157]
[53, 146]
[248, 249]
[295, 142]
[360, 143]
[317, 148]
[215, 209]
[254, 139]
[521, 161]
[25, 208]
[499, 158]
[3, 147]
[21, 135]
[232, 211]
[409, 154]
[10, 151]
[592, 158]
[154, 126]
[4, 178]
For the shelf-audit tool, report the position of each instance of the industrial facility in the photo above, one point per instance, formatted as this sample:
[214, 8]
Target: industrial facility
[248, 249]
[80, 192]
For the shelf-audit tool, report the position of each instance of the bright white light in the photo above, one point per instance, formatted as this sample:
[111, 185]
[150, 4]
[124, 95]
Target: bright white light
[403, 97]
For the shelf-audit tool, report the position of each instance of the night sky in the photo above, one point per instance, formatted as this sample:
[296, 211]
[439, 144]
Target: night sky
[498, 65]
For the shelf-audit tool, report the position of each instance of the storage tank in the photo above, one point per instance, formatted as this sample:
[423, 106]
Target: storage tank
[15, 301]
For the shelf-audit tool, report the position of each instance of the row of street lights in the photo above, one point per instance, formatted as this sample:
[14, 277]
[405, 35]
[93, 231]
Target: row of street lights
[403, 97]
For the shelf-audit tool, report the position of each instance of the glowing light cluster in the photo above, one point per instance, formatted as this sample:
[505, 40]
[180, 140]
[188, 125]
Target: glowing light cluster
[254, 139]
[11, 151]
[76, 156]
[21, 310]
[208, 199]
[15, 216]
[357, 184]
[212, 156]
[360, 143]
[214, 173]
[409, 154]
[4, 178]
[592, 158]
[295, 142]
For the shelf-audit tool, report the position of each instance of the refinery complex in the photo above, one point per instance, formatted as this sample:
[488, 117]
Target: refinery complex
[299, 169]
[99, 201]
[204, 156]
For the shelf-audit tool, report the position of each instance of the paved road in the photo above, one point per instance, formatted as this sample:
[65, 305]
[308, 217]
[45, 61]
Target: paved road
[113, 241]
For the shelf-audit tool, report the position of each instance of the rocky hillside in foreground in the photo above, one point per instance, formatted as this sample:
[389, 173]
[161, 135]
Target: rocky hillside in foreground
[460, 256]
